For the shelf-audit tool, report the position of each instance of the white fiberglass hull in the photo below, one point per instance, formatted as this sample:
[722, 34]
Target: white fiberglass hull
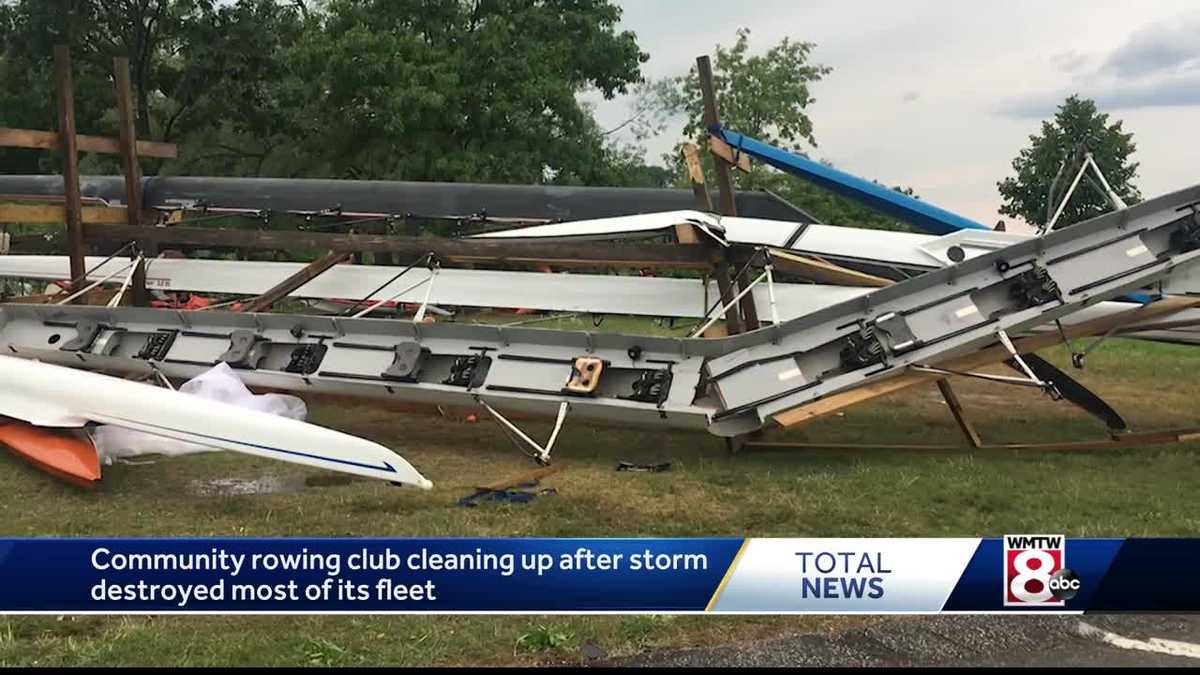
[54, 396]
[587, 293]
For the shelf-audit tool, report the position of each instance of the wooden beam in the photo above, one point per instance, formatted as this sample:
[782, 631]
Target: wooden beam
[56, 214]
[746, 305]
[723, 150]
[561, 254]
[823, 272]
[139, 295]
[72, 200]
[523, 478]
[985, 357]
[960, 415]
[1187, 435]
[49, 140]
[720, 265]
[284, 288]
[691, 157]
[712, 117]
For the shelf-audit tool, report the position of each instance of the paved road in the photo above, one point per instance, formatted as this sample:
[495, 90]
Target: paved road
[964, 640]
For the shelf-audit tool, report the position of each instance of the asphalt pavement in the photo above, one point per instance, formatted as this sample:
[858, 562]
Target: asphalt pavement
[962, 640]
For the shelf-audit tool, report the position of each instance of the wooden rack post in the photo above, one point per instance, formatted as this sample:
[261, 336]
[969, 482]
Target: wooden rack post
[720, 268]
[747, 312]
[72, 213]
[140, 297]
[72, 201]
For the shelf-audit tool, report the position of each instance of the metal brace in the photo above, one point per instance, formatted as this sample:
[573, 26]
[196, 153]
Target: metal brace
[1030, 379]
[541, 453]
[116, 299]
[1077, 356]
[1021, 381]
[1004, 340]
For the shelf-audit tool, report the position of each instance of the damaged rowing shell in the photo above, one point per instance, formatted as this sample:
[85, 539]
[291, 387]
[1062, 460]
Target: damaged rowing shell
[53, 396]
[58, 453]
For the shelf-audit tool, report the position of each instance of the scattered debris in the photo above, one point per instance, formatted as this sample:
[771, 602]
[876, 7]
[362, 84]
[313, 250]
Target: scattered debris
[517, 489]
[515, 496]
[651, 467]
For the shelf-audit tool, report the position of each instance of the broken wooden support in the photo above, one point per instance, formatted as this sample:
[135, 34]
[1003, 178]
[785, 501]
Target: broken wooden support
[309, 272]
[823, 272]
[691, 157]
[720, 148]
[72, 201]
[960, 415]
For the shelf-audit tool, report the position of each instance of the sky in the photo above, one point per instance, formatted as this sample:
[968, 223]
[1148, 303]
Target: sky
[939, 95]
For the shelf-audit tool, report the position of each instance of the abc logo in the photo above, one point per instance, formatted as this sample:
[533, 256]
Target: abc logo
[1035, 571]
[1064, 584]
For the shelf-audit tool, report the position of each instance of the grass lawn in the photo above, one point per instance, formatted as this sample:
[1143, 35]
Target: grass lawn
[1143, 491]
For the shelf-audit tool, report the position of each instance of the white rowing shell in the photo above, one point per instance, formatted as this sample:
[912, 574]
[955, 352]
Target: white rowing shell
[53, 396]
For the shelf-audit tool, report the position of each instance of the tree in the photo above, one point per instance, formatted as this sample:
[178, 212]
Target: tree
[1077, 127]
[462, 90]
[766, 97]
[180, 53]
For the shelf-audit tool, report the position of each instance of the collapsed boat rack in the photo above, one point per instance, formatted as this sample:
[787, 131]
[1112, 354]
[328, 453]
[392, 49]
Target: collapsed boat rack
[729, 386]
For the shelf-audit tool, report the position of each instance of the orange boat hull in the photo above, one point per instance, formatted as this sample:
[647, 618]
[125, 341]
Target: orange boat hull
[55, 452]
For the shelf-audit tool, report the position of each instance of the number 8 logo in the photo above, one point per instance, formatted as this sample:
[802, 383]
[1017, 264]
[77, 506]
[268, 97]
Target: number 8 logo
[1027, 571]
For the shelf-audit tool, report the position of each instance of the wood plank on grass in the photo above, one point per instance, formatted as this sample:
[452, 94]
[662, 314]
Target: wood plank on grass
[1186, 435]
[522, 478]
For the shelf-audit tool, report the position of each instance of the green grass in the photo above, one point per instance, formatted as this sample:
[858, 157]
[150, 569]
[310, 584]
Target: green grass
[1132, 491]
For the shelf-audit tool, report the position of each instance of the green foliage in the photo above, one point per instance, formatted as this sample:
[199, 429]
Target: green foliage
[464, 90]
[544, 638]
[323, 652]
[826, 206]
[766, 96]
[1077, 125]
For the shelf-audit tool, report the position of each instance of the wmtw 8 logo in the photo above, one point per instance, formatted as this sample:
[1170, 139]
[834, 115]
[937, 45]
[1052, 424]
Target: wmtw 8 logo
[1035, 571]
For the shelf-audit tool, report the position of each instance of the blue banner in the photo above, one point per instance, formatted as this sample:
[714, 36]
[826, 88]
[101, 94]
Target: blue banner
[1031, 572]
[364, 575]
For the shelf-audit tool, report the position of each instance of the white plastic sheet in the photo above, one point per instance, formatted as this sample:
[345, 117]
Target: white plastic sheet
[220, 383]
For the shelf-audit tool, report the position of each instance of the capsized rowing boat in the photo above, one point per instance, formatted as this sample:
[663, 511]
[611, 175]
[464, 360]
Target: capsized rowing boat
[53, 396]
[56, 452]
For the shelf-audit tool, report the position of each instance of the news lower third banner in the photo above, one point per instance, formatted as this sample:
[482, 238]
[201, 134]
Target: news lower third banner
[1012, 573]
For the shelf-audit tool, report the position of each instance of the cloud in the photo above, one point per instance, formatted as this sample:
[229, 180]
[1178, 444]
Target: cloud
[1178, 91]
[1156, 48]
[1158, 66]
[1069, 62]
